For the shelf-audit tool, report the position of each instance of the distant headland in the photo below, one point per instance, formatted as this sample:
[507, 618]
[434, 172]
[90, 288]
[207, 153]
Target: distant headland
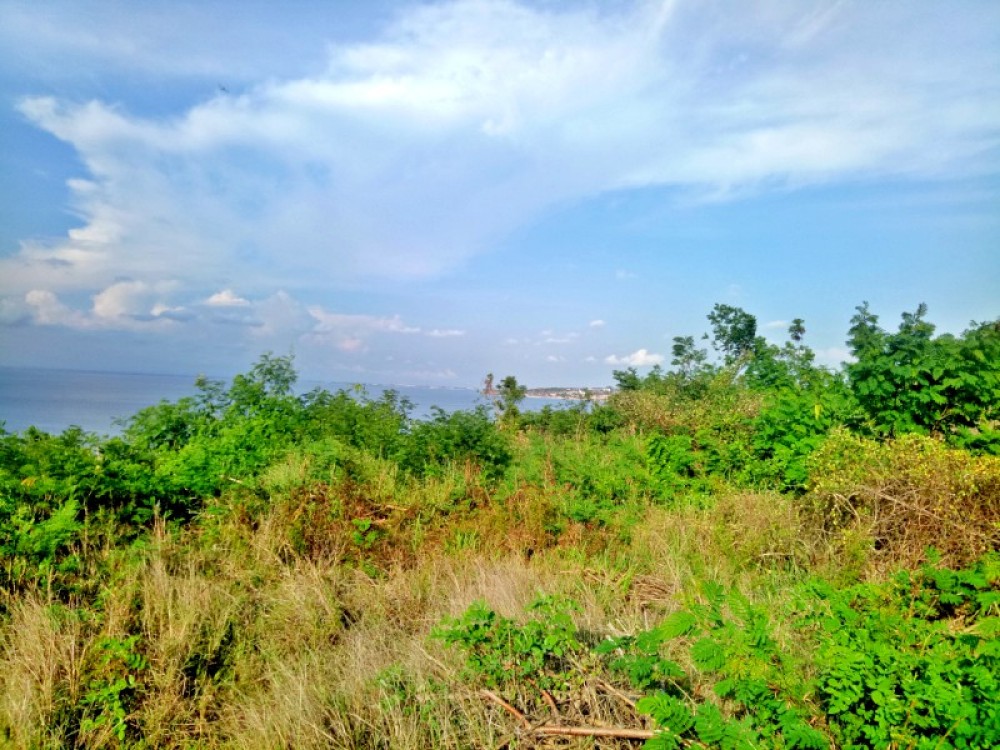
[601, 393]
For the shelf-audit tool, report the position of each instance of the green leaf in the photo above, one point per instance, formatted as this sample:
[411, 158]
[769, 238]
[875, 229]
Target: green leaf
[709, 724]
[679, 623]
[708, 655]
[668, 712]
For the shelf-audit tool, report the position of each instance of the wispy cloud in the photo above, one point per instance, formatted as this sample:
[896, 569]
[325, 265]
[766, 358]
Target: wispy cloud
[443, 333]
[465, 119]
[275, 207]
[569, 338]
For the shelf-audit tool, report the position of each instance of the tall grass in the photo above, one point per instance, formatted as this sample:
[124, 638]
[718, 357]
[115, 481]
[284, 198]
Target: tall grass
[297, 611]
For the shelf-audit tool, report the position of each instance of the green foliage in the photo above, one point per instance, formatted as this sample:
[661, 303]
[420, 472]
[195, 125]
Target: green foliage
[374, 425]
[701, 443]
[251, 469]
[502, 653]
[571, 419]
[689, 360]
[793, 424]
[734, 331]
[510, 394]
[731, 643]
[40, 541]
[912, 381]
[627, 380]
[914, 662]
[46, 482]
[640, 657]
[604, 418]
[600, 478]
[462, 437]
[906, 494]
[674, 464]
[365, 533]
[114, 686]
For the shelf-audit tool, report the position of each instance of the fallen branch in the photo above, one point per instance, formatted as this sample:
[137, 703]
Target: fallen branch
[547, 697]
[617, 732]
[506, 707]
[541, 728]
[612, 690]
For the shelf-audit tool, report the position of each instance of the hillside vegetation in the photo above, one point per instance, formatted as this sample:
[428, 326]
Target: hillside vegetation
[743, 551]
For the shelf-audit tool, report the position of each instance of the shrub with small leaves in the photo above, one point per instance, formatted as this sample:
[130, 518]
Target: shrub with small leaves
[501, 653]
[731, 644]
[914, 662]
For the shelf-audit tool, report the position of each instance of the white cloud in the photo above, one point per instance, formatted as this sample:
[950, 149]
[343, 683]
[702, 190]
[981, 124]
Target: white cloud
[124, 305]
[351, 332]
[597, 323]
[350, 344]
[833, 356]
[638, 358]
[329, 321]
[14, 311]
[123, 299]
[445, 333]
[226, 298]
[462, 120]
[568, 338]
[48, 310]
[776, 324]
[282, 317]
[621, 274]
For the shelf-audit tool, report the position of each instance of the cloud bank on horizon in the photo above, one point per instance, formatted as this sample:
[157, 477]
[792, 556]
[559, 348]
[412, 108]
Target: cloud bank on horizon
[270, 206]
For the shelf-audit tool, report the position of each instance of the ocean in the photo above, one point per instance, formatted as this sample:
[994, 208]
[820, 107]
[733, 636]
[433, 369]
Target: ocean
[53, 400]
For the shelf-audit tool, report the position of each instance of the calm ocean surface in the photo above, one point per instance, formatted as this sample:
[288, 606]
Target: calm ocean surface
[53, 400]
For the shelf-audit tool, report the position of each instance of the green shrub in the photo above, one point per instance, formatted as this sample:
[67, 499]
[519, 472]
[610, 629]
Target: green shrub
[914, 662]
[911, 381]
[456, 438]
[502, 653]
[731, 644]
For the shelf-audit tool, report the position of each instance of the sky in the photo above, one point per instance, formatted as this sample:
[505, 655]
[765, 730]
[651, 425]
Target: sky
[424, 192]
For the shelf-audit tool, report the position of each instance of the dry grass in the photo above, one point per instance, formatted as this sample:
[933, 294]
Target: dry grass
[41, 654]
[904, 497]
[250, 643]
[275, 628]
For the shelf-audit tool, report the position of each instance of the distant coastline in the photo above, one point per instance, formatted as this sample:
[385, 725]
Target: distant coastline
[601, 393]
[101, 402]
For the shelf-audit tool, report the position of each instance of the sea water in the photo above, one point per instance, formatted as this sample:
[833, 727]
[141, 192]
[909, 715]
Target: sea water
[53, 400]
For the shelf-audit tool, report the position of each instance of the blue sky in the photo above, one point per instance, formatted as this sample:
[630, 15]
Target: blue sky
[423, 192]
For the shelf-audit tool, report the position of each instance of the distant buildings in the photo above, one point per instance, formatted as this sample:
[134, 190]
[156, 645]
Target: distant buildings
[600, 393]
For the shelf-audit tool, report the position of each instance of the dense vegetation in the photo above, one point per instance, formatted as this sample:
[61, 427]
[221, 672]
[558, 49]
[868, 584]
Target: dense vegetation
[743, 551]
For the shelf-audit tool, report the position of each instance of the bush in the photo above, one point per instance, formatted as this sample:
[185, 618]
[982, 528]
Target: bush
[914, 662]
[909, 494]
[456, 438]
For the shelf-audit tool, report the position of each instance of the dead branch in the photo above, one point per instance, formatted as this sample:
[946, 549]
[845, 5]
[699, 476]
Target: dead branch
[611, 689]
[547, 697]
[506, 707]
[617, 732]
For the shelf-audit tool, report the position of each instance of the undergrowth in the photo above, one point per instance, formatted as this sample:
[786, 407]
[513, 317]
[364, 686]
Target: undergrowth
[755, 554]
